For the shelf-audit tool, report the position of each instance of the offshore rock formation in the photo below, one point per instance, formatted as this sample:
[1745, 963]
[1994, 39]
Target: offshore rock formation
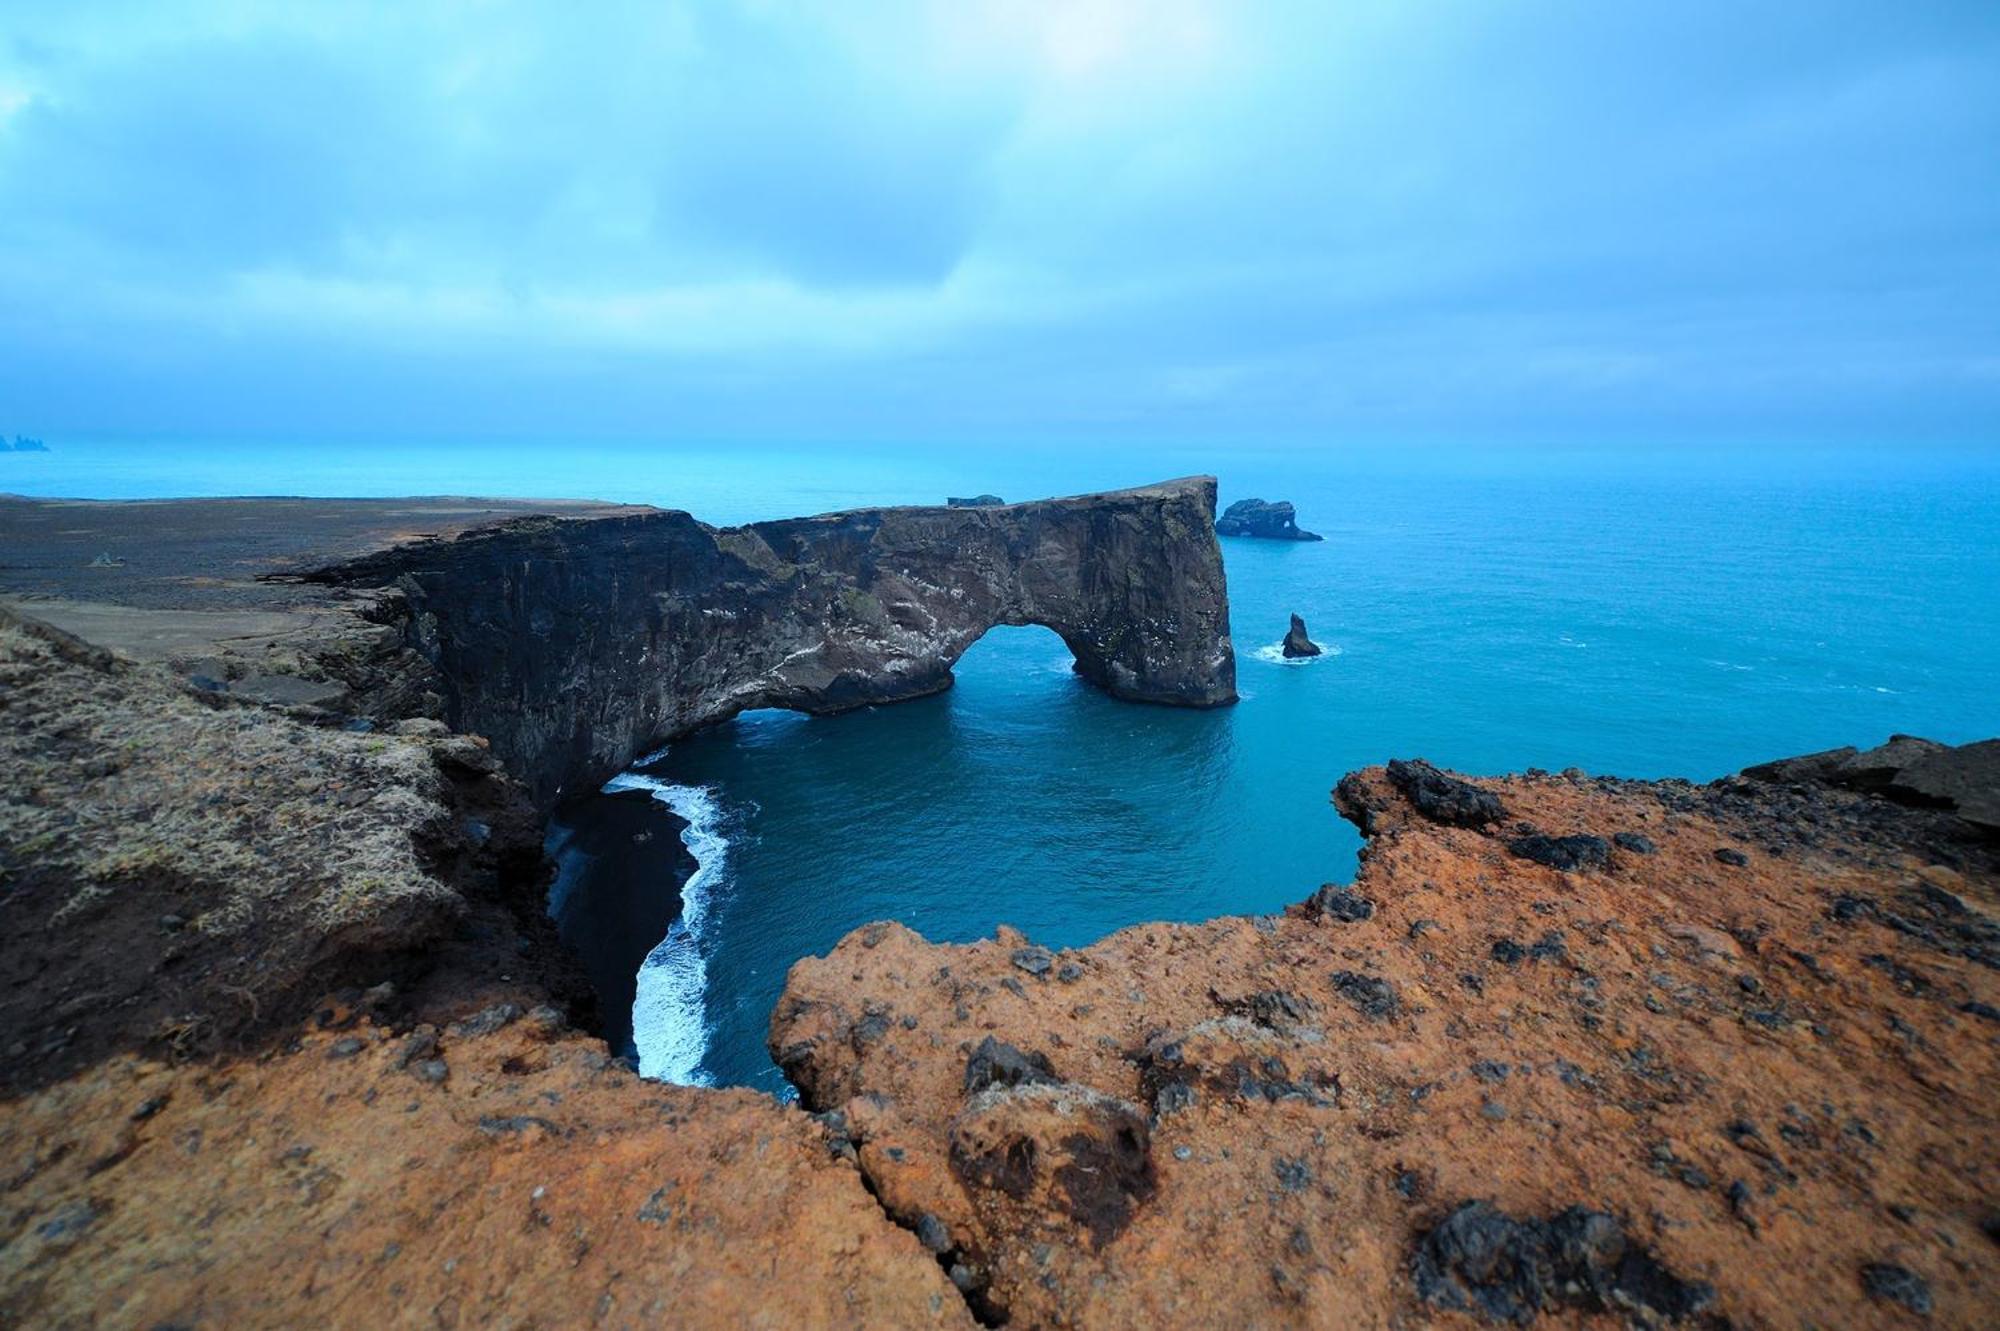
[1267, 521]
[576, 645]
[975, 501]
[1297, 644]
[1552, 1054]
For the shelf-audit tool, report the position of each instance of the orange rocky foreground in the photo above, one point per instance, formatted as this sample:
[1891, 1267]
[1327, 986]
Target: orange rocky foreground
[289, 1042]
[1735, 1066]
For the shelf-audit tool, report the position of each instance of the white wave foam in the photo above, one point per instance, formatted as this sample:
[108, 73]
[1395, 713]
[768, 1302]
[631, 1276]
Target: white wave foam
[1275, 655]
[669, 1011]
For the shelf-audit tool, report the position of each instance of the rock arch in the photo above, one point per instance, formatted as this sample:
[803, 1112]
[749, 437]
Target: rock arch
[577, 643]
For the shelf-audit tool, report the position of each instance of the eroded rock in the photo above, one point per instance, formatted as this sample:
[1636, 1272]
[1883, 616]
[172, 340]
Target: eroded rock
[1480, 1259]
[1297, 645]
[1270, 521]
[1673, 1075]
[1040, 1147]
[1442, 798]
[576, 644]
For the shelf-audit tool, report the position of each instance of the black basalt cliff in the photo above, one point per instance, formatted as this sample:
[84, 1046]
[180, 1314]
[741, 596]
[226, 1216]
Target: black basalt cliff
[575, 644]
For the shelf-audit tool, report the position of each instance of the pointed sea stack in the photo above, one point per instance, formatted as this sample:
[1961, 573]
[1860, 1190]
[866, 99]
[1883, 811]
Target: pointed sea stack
[1297, 644]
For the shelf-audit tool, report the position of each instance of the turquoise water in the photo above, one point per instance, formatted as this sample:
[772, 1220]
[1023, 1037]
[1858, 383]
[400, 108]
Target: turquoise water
[1648, 615]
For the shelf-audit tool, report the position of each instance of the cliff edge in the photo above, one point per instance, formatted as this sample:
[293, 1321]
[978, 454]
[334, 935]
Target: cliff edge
[1568, 1046]
[578, 645]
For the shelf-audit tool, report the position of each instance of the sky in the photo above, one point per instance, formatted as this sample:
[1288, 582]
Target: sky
[1290, 222]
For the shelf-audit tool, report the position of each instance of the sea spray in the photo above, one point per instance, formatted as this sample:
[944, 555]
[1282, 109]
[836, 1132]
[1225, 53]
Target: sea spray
[669, 1010]
[1274, 654]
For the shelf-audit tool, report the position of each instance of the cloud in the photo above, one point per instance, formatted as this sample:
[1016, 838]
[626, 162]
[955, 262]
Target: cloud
[1001, 215]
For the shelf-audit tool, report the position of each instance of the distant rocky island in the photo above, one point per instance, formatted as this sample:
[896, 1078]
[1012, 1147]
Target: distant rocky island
[976, 501]
[291, 1039]
[22, 444]
[1273, 521]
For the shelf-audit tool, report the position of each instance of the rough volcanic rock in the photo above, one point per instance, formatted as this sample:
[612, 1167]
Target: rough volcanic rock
[289, 1042]
[1268, 521]
[1686, 1092]
[1479, 1259]
[1297, 644]
[576, 645]
[182, 870]
[1908, 769]
[1435, 795]
[1965, 780]
[1568, 853]
[531, 1182]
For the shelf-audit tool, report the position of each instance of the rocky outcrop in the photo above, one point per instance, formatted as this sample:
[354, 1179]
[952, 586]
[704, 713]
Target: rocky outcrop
[1919, 772]
[1267, 521]
[576, 645]
[1548, 1057]
[281, 1000]
[289, 1041]
[183, 869]
[1297, 644]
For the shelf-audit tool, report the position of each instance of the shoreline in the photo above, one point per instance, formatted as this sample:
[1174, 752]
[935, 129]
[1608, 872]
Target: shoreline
[1545, 1001]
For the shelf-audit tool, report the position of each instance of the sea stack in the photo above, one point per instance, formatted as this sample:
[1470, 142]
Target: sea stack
[1266, 521]
[1297, 644]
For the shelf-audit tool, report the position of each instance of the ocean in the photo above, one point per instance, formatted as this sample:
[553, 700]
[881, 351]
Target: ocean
[1644, 613]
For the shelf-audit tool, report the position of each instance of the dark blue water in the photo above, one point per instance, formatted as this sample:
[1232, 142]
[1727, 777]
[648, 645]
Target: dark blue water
[1649, 615]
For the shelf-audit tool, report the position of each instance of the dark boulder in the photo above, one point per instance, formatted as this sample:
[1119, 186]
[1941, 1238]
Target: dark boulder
[1335, 901]
[1909, 770]
[1441, 798]
[1481, 1260]
[1266, 521]
[1371, 995]
[996, 1063]
[1567, 853]
[1889, 1283]
[1965, 780]
[1297, 644]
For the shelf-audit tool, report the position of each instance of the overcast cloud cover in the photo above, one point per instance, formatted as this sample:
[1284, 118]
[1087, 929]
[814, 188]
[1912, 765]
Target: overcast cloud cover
[990, 219]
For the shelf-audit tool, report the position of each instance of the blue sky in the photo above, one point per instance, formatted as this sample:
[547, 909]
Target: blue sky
[978, 220]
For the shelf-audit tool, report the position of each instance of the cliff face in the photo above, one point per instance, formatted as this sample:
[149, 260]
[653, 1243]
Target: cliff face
[288, 1044]
[576, 645]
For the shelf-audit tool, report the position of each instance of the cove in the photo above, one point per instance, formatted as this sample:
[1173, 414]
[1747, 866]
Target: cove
[1647, 624]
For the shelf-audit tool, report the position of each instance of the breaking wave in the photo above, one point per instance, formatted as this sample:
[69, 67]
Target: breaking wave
[669, 1011]
[1275, 654]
